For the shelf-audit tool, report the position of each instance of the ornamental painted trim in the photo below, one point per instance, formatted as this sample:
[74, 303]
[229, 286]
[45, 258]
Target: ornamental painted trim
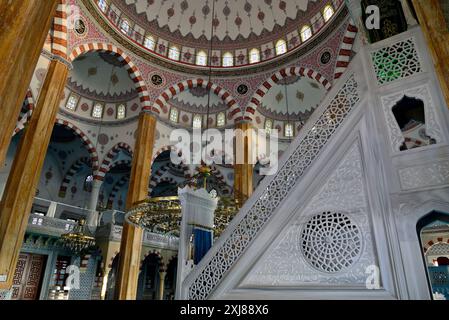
[157, 177]
[59, 35]
[117, 187]
[132, 69]
[209, 273]
[75, 167]
[433, 128]
[89, 145]
[291, 56]
[268, 84]
[344, 55]
[27, 111]
[173, 90]
[108, 160]
[168, 148]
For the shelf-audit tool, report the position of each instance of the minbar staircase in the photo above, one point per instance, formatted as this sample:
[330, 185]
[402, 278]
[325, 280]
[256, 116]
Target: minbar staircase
[341, 101]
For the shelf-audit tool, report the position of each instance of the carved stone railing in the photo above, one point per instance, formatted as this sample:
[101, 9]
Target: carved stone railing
[114, 233]
[49, 226]
[258, 210]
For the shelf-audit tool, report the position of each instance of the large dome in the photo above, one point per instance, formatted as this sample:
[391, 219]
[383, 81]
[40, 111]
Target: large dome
[243, 33]
[232, 20]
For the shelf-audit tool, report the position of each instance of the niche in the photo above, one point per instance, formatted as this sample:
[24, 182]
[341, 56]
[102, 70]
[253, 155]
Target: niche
[410, 116]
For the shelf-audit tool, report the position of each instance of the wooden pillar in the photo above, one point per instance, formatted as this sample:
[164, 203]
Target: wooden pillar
[24, 26]
[243, 168]
[25, 172]
[162, 275]
[433, 24]
[131, 243]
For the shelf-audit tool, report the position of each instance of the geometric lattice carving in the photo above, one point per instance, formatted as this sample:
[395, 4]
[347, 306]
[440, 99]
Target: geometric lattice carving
[331, 117]
[396, 61]
[331, 242]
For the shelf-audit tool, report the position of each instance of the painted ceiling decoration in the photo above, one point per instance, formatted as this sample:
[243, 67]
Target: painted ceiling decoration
[196, 100]
[303, 97]
[101, 76]
[233, 20]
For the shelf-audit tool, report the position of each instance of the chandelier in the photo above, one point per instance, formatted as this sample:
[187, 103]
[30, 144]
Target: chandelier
[160, 215]
[163, 214]
[78, 239]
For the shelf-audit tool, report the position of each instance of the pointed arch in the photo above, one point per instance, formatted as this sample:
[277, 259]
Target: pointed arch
[74, 168]
[132, 69]
[107, 161]
[59, 32]
[345, 50]
[173, 90]
[25, 114]
[117, 187]
[89, 145]
[275, 78]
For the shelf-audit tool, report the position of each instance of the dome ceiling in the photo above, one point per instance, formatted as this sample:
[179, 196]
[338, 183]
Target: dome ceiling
[196, 100]
[101, 76]
[303, 97]
[233, 20]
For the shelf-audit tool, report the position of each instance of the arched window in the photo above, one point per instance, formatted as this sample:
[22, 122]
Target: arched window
[306, 33]
[97, 110]
[254, 56]
[72, 102]
[174, 114]
[121, 111]
[268, 126]
[197, 122]
[288, 130]
[102, 4]
[228, 60]
[281, 47]
[328, 12]
[174, 53]
[149, 42]
[124, 27]
[221, 119]
[201, 58]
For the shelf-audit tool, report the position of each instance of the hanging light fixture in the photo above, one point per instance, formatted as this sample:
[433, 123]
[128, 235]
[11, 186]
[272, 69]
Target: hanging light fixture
[163, 214]
[78, 240]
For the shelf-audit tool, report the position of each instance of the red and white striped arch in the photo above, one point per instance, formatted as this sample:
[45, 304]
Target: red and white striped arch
[117, 187]
[274, 79]
[71, 173]
[168, 148]
[172, 91]
[28, 107]
[89, 145]
[132, 69]
[345, 52]
[107, 161]
[434, 241]
[59, 31]
[157, 177]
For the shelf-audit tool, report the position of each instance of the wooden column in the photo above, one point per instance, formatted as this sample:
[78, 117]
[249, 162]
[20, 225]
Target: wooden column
[131, 243]
[431, 17]
[24, 26]
[243, 170]
[162, 275]
[25, 172]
